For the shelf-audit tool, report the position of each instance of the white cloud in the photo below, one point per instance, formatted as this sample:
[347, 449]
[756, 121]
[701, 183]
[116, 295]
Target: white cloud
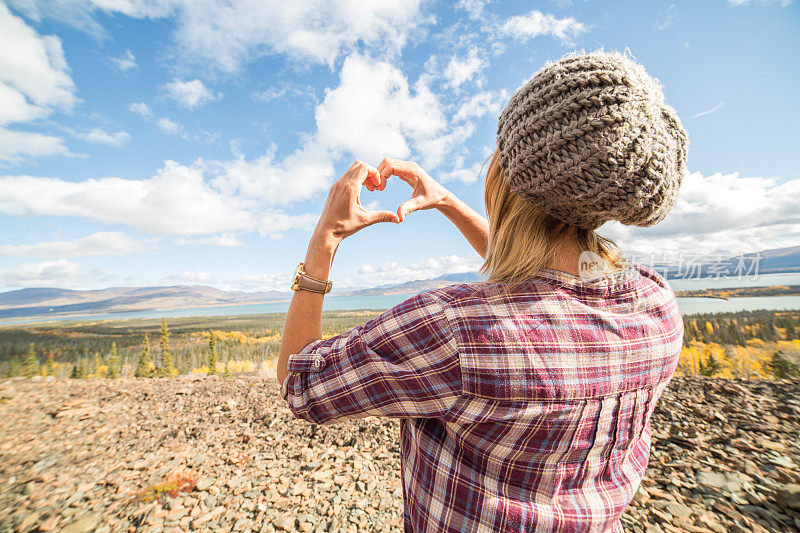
[394, 272]
[709, 111]
[227, 35]
[140, 108]
[260, 282]
[286, 90]
[16, 145]
[100, 243]
[99, 136]
[482, 104]
[721, 213]
[34, 82]
[303, 173]
[36, 76]
[247, 282]
[60, 273]
[474, 8]
[225, 239]
[536, 23]
[460, 70]
[177, 200]
[125, 62]
[783, 3]
[190, 277]
[446, 147]
[190, 94]
[373, 113]
[465, 175]
[169, 126]
[668, 18]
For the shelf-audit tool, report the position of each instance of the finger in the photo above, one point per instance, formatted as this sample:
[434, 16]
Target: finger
[385, 170]
[373, 177]
[407, 171]
[358, 174]
[409, 206]
[374, 217]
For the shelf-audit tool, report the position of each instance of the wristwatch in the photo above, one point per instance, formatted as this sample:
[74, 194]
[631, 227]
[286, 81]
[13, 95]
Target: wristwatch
[304, 282]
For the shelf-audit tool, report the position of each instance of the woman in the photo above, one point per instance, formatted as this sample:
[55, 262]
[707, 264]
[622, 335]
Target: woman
[525, 401]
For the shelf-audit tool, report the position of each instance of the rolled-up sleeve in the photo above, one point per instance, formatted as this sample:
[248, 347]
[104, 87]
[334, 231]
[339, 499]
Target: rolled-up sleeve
[402, 364]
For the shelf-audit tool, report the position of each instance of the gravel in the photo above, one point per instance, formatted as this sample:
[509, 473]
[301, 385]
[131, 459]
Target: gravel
[211, 454]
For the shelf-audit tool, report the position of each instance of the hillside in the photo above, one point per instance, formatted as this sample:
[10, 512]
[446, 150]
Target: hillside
[55, 302]
[36, 302]
[417, 286]
[103, 455]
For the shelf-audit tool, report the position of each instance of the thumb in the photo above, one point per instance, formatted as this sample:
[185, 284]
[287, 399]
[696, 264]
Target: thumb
[410, 206]
[374, 217]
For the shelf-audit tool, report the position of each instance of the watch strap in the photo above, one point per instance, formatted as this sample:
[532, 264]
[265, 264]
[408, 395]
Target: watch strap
[307, 283]
[304, 282]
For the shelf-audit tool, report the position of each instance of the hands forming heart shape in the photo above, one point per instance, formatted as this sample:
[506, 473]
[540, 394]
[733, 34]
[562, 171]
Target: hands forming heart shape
[343, 213]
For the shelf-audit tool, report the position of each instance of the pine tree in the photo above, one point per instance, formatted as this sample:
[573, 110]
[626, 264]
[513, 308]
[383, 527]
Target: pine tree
[98, 362]
[50, 365]
[710, 367]
[167, 369]
[782, 368]
[212, 355]
[76, 371]
[30, 366]
[143, 369]
[113, 362]
[227, 373]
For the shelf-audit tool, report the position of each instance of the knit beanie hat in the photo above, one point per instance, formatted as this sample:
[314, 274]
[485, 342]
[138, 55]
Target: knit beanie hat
[589, 139]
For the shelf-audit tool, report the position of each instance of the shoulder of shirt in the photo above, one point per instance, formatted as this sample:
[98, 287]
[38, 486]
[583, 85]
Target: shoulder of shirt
[653, 275]
[449, 294]
[464, 292]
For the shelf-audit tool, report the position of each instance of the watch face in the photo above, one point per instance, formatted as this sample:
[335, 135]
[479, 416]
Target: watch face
[296, 277]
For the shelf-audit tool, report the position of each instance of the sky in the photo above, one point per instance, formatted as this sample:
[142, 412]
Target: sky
[161, 142]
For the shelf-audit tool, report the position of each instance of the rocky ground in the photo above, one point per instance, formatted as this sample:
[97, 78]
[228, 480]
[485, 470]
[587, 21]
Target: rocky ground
[221, 455]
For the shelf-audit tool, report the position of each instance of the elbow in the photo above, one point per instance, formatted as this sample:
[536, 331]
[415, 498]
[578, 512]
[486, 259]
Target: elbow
[280, 367]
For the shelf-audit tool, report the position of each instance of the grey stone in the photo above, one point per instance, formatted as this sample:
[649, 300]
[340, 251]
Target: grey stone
[204, 483]
[86, 522]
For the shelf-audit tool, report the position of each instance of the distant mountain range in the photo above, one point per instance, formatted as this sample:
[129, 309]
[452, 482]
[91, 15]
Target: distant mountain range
[55, 302]
[776, 261]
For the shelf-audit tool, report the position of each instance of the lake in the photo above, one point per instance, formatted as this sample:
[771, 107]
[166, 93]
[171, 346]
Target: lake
[687, 305]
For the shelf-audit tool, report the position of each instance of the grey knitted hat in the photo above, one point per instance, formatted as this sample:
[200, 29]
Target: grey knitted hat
[589, 139]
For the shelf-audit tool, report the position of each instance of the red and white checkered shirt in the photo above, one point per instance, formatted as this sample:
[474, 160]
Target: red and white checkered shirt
[521, 410]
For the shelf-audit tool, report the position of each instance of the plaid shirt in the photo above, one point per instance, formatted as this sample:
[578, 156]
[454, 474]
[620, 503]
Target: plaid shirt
[523, 408]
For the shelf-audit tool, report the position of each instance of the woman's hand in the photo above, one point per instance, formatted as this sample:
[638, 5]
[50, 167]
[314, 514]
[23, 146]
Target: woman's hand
[343, 213]
[427, 193]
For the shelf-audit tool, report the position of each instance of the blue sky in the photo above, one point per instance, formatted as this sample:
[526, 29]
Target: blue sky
[174, 141]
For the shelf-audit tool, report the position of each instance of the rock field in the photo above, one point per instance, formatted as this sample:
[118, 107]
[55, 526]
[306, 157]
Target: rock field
[214, 454]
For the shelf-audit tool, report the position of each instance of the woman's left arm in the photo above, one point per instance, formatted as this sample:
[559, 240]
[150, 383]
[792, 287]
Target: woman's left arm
[341, 217]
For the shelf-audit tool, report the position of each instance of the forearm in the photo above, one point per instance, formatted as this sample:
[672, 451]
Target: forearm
[304, 318]
[469, 222]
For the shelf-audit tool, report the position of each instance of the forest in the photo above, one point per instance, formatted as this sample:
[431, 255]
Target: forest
[746, 344]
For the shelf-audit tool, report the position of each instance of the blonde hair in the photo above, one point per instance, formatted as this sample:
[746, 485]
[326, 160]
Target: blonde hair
[522, 238]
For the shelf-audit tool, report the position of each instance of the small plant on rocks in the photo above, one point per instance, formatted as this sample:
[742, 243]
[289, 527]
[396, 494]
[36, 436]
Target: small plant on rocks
[173, 484]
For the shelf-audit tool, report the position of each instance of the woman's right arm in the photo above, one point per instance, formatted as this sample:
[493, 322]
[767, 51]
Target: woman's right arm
[429, 194]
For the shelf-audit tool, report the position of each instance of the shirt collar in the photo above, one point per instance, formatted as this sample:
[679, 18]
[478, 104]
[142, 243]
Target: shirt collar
[618, 279]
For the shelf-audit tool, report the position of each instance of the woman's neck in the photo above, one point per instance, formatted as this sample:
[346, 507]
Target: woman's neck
[567, 257]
